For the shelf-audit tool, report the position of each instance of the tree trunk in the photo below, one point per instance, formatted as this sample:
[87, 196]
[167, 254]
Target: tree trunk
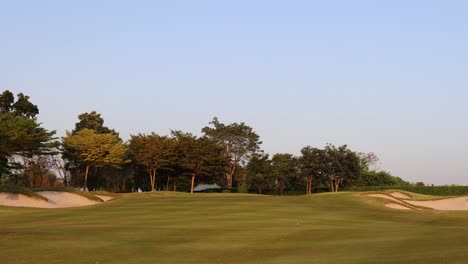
[337, 184]
[310, 184]
[85, 187]
[331, 185]
[193, 183]
[153, 179]
[175, 184]
[167, 183]
[230, 174]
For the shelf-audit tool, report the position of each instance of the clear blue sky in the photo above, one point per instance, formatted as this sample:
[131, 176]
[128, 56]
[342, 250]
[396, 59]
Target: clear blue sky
[389, 77]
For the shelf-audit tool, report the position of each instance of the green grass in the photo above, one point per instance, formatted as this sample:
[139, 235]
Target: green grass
[233, 228]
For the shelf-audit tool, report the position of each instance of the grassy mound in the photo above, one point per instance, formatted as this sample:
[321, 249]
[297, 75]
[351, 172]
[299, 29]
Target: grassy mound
[70, 190]
[21, 190]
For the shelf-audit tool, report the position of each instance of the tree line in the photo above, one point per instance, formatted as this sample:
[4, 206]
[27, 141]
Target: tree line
[93, 156]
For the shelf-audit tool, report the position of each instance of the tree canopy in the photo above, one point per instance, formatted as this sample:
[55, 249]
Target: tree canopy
[153, 152]
[95, 149]
[238, 140]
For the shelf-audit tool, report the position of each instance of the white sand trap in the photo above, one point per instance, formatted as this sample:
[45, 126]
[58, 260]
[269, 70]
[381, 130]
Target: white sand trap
[55, 200]
[459, 203]
[105, 198]
[397, 206]
[66, 199]
[400, 195]
[385, 196]
[21, 200]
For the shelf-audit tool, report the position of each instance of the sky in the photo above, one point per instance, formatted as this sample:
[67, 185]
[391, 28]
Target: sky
[388, 77]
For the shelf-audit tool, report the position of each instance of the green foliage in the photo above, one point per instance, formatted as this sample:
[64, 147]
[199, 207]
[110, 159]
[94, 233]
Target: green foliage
[429, 190]
[93, 149]
[154, 152]
[259, 171]
[22, 106]
[238, 140]
[92, 121]
[6, 101]
[284, 169]
[379, 178]
[198, 156]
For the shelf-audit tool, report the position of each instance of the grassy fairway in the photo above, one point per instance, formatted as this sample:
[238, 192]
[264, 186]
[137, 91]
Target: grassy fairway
[228, 228]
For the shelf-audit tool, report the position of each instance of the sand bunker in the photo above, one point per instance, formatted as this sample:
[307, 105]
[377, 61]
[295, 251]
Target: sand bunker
[400, 195]
[21, 200]
[385, 196]
[458, 203]
[105, 198]
[54, 200]
[397, 206]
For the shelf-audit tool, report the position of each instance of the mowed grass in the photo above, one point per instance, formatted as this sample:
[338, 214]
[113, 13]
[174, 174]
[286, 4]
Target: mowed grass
[231, 228]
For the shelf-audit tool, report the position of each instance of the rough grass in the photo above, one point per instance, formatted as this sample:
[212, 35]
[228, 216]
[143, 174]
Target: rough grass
[18, 189]
[231, 228]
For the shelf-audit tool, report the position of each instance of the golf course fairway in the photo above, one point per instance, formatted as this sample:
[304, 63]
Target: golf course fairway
[169, 227]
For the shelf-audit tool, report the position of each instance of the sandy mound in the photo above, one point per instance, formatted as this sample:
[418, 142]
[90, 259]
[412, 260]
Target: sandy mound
[66, 199]
[397, 206]
[55, 200]
[105, 198]
[400, 195]
[459, 203]
[21, 200]
[385, 196]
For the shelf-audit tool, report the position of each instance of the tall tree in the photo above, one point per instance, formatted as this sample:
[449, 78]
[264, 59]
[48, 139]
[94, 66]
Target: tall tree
[95, 149]
[24, 107]
[198, 156]
[92, 121]
[6, 101]
[21, 136]
[284, 168]
[259, 172]
[153, 152]
[311, 165]
[238, 140]
[343, 166]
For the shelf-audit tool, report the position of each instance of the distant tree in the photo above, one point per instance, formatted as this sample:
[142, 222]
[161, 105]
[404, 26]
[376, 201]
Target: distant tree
[6, 101]
[379, 178]
[92, 121]
[198, 156]
[22, 138]
[368, 160]
[58, 164]
[39, 172]
[284, 168]
[343, 166]
[312, 165]
[23, 107]
[259, 172]
[153, 152]
[238, 140]
[95, 149]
